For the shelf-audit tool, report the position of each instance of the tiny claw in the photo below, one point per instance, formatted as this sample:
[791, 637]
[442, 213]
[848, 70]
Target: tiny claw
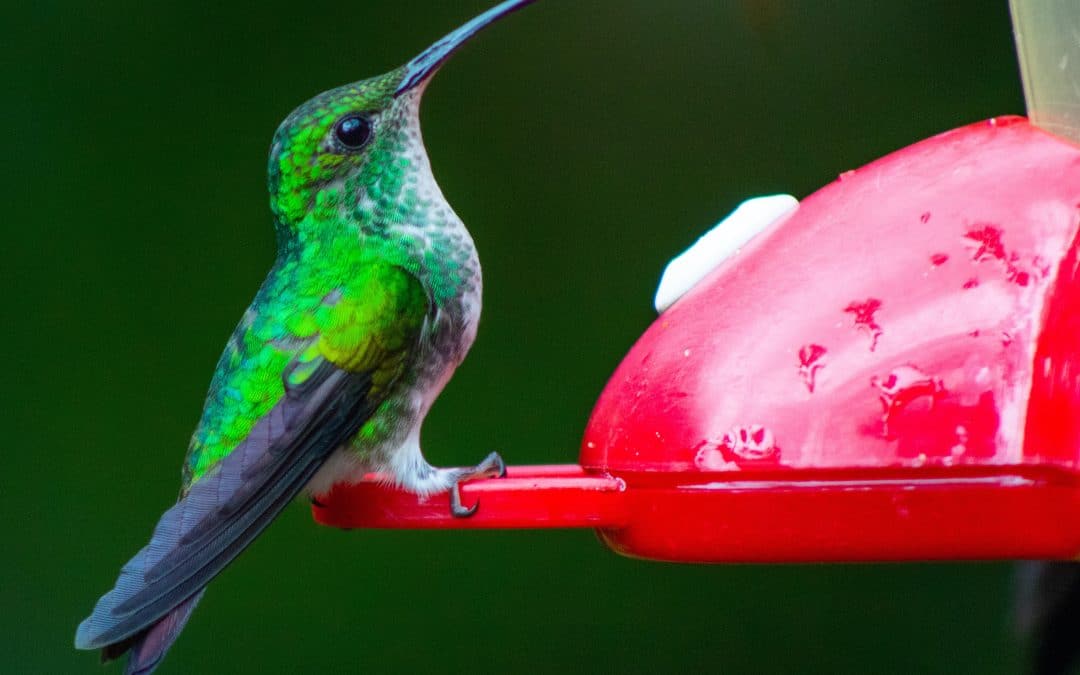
[457, 510]
[315, 502]
[500, 466]
[493, 466]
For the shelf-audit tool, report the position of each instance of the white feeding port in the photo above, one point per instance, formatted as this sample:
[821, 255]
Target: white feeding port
[718, 244]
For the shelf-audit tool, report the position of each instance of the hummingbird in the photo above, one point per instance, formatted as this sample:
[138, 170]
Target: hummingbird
[371, 303]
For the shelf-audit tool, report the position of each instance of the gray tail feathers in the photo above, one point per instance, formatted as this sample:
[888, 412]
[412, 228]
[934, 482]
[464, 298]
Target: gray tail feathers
[146, 649]
[221, 513]
[1048, 614]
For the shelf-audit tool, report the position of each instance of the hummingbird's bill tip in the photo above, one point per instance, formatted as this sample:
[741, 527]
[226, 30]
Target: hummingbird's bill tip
[418, 70]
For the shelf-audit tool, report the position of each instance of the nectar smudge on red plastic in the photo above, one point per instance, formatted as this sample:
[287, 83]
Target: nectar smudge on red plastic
[863, 314]
[1017, 276]
[900, 387]
[985, 242]
[960, 447]
[811, 360]
[753, 442]
[709, 457]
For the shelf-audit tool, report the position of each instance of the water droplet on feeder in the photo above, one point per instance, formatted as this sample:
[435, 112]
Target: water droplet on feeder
[753, 442]
[863, 314]
[811, 360]
[900, 387]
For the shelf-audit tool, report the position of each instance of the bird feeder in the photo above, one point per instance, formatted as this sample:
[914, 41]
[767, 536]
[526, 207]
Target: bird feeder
[888, 371]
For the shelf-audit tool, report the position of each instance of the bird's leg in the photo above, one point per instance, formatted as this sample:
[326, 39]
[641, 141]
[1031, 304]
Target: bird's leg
[412, 472]
[492, 467]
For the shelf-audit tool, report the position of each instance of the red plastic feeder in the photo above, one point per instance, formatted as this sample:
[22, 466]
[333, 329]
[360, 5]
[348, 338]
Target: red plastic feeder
[889, 373]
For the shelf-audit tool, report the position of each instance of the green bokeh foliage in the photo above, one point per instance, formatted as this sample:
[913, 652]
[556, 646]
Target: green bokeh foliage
[583, 143]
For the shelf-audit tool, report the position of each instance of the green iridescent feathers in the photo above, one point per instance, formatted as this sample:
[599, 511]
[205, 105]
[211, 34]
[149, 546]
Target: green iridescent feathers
[343, 289]
[304, 159]
[367, 323]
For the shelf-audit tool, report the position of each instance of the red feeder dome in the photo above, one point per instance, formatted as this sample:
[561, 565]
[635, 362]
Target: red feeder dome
[889, 373]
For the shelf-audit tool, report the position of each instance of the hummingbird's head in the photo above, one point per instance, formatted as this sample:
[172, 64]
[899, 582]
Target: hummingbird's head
[356, 151]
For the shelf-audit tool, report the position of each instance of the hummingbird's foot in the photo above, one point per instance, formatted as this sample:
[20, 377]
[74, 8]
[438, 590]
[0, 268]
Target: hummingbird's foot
[493, 466]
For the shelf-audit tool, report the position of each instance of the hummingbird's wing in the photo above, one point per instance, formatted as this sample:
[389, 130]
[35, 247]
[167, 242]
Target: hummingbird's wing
[362, 352]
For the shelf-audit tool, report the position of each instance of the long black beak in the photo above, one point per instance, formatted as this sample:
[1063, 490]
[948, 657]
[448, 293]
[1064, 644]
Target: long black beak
[424, 66]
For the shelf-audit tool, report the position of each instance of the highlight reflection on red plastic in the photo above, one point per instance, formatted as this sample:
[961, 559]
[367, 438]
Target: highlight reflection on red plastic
[889, 373]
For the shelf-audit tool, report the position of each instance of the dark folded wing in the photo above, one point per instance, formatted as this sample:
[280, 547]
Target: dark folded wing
[376, 324]
[231, 505]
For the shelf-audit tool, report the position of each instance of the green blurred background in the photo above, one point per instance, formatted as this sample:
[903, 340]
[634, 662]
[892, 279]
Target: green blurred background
[584, 143]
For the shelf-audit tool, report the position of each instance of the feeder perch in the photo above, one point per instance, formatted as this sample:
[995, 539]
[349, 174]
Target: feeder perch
[887, 372]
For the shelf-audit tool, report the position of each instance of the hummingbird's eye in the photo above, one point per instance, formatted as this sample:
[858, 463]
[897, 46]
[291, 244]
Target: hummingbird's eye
[353, 132]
